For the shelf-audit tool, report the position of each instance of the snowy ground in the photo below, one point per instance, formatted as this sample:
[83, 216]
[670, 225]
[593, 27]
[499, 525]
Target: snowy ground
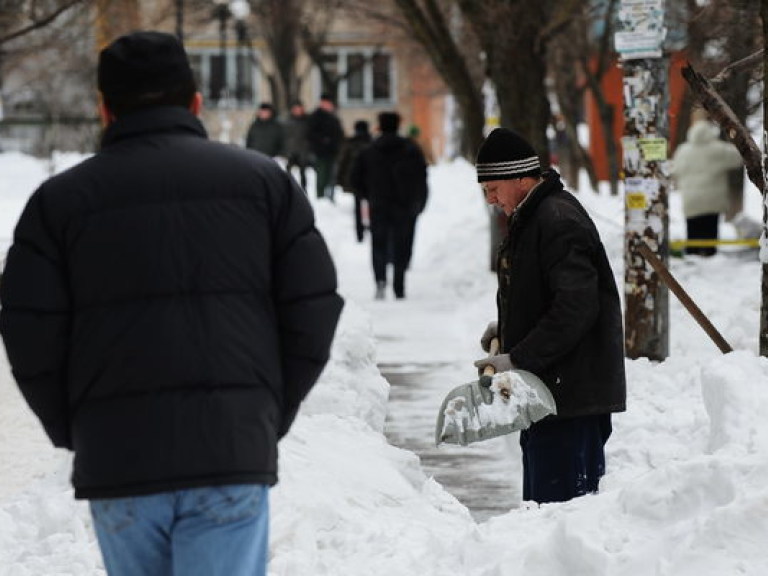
[685, 493]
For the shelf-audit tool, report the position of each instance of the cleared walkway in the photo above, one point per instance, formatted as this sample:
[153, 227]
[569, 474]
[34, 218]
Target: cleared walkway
[483, 476]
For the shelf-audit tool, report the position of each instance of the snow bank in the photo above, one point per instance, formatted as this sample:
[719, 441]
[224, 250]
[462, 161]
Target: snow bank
[685, 491]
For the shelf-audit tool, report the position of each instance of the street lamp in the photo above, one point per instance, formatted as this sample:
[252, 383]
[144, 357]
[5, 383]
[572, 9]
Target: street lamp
[222, 13]
[240, 10]
[180, 20]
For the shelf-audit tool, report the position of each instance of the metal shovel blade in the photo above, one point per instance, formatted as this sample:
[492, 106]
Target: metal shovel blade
[493, 406]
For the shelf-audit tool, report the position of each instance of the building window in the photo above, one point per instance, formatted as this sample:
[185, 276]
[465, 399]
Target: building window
[366, 76]
[229, 81]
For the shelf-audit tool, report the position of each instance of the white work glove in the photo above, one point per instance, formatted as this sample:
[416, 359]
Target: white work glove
[500, 363]
[491, 331]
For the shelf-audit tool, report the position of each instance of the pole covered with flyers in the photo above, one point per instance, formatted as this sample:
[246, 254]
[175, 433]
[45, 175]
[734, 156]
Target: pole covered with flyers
[639, 39]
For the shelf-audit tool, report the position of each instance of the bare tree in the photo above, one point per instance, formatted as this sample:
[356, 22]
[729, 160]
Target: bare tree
[280, 22]
[719, 33]
[578, 64]
[764, 284]
[754, 159]
[19, 18]
[432, 24]
[514, 35]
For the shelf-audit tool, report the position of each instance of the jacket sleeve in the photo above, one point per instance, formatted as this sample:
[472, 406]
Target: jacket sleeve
[308, 305]
[35, 320]
[568, 261]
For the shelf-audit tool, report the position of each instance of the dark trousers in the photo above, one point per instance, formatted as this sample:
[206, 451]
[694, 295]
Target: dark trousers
[324, 169]
[301, 164]
[391, 236]
[563, 459]
[359, 224]
[702, 227]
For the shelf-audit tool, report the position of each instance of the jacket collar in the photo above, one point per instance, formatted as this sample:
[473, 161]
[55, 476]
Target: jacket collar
[153, 121]
[550, 183]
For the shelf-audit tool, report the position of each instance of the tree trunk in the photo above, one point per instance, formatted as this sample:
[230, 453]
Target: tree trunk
[510, 35]
[739, 45]
[430, 28]
[764, 284]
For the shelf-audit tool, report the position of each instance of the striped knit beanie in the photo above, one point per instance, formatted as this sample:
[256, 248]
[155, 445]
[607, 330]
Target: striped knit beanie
[505, 155]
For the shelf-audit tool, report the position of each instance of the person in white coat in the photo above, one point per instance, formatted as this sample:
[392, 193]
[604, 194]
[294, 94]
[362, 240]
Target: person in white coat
[700, 168]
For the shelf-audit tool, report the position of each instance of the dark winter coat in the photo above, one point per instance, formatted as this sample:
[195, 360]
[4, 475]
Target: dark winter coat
[349, 153]
[559, 309]
[391, 173]
[325, 133]
[166, 306]
[295, 141]
[265, 136]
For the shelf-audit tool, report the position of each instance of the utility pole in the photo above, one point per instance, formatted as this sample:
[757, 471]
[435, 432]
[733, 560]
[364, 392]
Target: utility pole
[639, 39]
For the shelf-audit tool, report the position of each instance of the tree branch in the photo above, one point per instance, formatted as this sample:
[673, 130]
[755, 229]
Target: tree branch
[735, 67]
[39, 23]
[721, 113]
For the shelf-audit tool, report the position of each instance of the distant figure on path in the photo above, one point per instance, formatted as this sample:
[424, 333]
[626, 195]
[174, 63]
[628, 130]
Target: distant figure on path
[265, 133]
[296, 142]
[325, 135]
[167, 304]
[700, 168]
[349, 153]
[391, 174]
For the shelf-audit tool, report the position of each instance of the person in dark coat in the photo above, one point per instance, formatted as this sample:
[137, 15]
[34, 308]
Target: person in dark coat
[167, 304]
[391, 174]
[349, 153]
[296, 143]
[265, 133]
[559, 317]
[325, 135]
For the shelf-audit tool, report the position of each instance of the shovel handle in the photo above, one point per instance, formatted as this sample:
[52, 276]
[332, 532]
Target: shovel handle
[493, 349]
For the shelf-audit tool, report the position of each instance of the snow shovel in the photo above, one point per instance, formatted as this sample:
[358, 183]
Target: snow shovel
[493, 405]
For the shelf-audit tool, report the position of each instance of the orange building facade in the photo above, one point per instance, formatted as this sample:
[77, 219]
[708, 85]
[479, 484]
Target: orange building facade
[613, 88]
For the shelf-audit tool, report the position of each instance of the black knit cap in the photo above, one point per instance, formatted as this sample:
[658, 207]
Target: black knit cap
[505, 155]
[143, 62]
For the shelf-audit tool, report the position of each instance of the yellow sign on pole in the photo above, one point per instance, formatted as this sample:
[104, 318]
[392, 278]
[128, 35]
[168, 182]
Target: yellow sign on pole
[636, 201]
[653, 149]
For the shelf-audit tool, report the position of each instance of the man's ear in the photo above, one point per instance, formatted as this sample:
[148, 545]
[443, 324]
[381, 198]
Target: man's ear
[104, 112]
[196, 106]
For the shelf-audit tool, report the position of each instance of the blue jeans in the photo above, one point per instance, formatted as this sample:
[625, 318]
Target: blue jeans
[212, 531]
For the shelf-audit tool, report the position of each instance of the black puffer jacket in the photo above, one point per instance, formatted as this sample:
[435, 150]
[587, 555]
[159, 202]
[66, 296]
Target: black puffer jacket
[559, 309]
[391, 174]
[166, 306]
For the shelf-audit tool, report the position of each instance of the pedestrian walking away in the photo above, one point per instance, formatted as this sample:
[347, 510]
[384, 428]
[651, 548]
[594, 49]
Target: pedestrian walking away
[700, 169]
[265, 133]
[558, 316]
[296, 143]
[167, 304]
[349, 153]
[391, 174]
[325, 135]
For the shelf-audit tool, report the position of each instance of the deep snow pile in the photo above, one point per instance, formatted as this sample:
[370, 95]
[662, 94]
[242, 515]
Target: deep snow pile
[685, 492]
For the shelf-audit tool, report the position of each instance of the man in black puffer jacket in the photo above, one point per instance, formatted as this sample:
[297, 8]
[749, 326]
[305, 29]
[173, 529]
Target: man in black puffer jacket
[559, 316]
[166, 306]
